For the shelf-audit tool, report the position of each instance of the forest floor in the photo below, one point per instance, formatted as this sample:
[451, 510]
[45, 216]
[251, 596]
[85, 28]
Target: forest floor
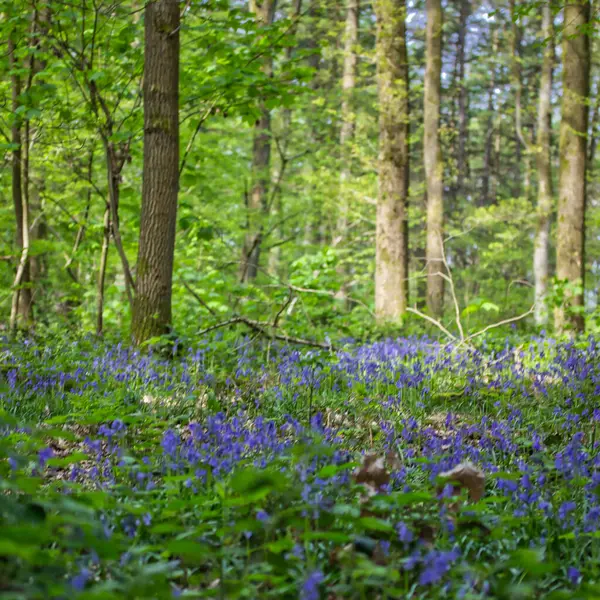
[239, 469]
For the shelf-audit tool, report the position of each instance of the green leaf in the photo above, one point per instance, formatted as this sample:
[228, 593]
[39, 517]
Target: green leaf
[376, 524]
[189, 550]
[327, 536]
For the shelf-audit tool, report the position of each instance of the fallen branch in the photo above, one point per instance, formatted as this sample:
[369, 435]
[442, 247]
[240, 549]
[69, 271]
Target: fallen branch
[500, 323]
[464, 339]
[266, 329]
[452, 290]
[433, 321]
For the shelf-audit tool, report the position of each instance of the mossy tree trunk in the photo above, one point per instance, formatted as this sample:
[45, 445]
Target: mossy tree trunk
[152, 304]
[544, 169]
[348, 126]
[570, 256]
[21, 314]
[391, 272]
[462, 160]
[432, 152]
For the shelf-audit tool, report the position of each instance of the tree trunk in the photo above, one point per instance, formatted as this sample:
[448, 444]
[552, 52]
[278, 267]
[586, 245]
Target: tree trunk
[21, 313]
[544, 196]
[348, 117]
[434, 167]
[279, 230]
[258, 208]
[484, 198]
[347, 128]
[102, 271]
[463, 123]
[152, 304]
[515, 80]
[391, 272]
[41, 19]
[570, 256]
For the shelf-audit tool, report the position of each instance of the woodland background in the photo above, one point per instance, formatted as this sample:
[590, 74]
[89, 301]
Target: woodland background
[279, 116]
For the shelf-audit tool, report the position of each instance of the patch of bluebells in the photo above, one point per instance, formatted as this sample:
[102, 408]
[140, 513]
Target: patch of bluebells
[523, 465]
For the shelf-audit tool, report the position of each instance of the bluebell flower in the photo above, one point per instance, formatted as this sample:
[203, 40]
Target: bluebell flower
[262, 516]
[80, 580]
[310, 587]
[573, 575]
[435, 566]
[405, 534]
[44, 455]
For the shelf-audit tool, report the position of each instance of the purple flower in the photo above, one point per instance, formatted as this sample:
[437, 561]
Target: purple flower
[262, 516]
[435, 565]
[80, 580]
[573, 575]
[565, 509]
[405, 534]
[44, 455]
[310, 588]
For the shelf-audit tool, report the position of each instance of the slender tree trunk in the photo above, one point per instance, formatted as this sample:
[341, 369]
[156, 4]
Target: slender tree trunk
[522, 144]
[463, 119]
[113, 175]
[484, 198]
[544, 169]
[347, 128]
[258, 207]
[515, 80]
[115, 157]
[316, 231]
[102, 271]
[434, 167]
[594, 122]
[40, 22]
[391, 272]
[21, 313]
[570, 256]
[152, 305]
[83, 222]
[496, 162]
[279, 230]
[348, 116]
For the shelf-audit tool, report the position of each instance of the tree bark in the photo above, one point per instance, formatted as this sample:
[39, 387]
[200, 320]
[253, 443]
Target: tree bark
[279, 230]
[152, 304]
[489, 137]
[570, 256]
[21, 309]
[463, 120]
[41, 18]
[348, 117]
[515, 79]
[434, 166]
[257, 207]
[544, 169]
[391, 272]
[347, 128]
[102, 271]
